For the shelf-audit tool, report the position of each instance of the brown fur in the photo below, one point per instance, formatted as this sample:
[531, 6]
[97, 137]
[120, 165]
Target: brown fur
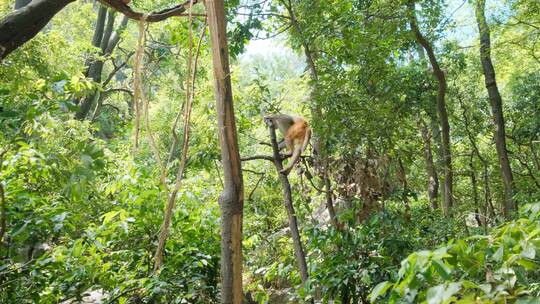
[296, 134]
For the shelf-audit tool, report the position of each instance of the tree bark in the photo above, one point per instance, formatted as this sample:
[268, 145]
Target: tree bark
[115, 38]
[23, 24]
[495, 99]
[432, 166]
[434, 126]
[232, 197]
[100, 26]
[402, 176]
[330, 200]
[287, 197]
[474, 185]
[433, 178]
[21, 3]
[3, 213]
[441, 108]
[106, 39]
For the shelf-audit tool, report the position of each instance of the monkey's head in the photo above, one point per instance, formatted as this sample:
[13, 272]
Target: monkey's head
[268, 121]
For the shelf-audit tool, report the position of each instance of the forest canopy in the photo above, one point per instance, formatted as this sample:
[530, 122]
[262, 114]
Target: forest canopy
[143, 147]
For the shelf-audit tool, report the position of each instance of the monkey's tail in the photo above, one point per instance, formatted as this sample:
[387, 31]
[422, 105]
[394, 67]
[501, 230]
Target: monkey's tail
[306, 140]
[298, 152]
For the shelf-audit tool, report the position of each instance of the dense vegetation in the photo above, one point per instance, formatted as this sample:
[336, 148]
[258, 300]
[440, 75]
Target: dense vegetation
[421, 184]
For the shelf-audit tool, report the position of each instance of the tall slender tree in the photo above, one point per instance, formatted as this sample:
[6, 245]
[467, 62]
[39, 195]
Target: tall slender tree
[316, 113]
[232, 198]
[441, 106]
[431, 138]
[496, 108]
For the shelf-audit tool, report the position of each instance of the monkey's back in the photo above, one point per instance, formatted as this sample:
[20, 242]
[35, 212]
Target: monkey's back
[297, 131]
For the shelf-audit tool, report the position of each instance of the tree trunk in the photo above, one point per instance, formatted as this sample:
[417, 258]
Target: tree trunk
[96, 39]
[330, 200]
[496, 108]
[432, 167]
[488, 204]
[106, 39]
[21, 3]
[3, 214]
[434, 126]
[402, 176]
[232, 197]
[287, 196]
[441, 109]
[100, 26]
[433, 178]
[96, 67]
[316, 113]
[23, 24]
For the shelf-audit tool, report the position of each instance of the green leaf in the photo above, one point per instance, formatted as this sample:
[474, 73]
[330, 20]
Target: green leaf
[498, 255]
[442, 269]
[379, 290]
[107, 217]
[528, 264]
[529, 252]
[443, 292]
[451, 290]
[434, 294]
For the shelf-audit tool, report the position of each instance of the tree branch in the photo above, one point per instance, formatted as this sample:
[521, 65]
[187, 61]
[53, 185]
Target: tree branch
[177, 10]
[256, 157]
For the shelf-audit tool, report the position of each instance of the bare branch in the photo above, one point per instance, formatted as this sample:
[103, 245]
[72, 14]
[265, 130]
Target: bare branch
[177, 10]
[256, 157]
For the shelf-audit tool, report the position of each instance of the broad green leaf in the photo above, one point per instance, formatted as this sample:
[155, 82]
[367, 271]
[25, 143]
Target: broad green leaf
[379, 290]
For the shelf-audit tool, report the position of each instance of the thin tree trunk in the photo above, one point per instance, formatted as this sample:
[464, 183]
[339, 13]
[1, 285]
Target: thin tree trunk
[190, 95]
[3, 213]
[109, 27]
[441, 109]
[96, 67]
[509, 205]
[434, 126]
[115, 37]
[317, 116]
[402, 176]
[287, 196]
[23, 24]
[232, 197]
[489, 210]
[96, 38]
[480, 219]
[431, 166]
[330, 201]
[433, 178]
[100, 26]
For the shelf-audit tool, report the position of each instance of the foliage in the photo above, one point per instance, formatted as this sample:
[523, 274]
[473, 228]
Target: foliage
[83, 206]
[347, 263]
[495, 268]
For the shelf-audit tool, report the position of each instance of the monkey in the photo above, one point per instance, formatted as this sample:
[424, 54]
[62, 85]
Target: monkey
[296, 134]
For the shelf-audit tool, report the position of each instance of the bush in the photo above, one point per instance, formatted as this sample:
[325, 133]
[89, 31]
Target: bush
[501, 267]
